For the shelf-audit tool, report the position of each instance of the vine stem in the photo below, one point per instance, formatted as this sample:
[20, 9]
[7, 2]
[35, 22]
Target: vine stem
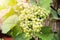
[36, 37]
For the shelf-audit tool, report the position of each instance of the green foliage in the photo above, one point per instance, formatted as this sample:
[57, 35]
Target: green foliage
[8, 2]
[12, 2]
[56, 36]
[58, 11]
[46, 33]
[42, 3]
[2, 7]
[15, 31]
[9, 13]
[21, 37]
[9, 23]
[45, 4]
[55, 14]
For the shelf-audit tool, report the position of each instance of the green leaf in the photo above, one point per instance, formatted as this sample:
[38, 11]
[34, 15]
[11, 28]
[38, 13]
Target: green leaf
[9, 23]
[21, 37]
[12, 2]
[56, 36]
[42, 3]
[46, 29]
[45, 4]
[3, 12]
[9, 13]
[46, 37]
[8, 2]
[59, 34]
[54, 14]
[15, 31]
[46, 33]
[59, 11]
[2, 7]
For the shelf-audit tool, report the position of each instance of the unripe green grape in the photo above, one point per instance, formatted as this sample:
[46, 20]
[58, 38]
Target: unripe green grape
[30, 30]
[27, 35]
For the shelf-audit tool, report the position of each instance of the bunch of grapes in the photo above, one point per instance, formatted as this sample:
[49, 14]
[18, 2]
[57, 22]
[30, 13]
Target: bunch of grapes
[31, 19]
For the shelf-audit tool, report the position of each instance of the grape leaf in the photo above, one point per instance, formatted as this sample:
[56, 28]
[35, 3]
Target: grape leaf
[59, 11]
[45, 4]
[54, 15]
[2, 7]
[15, 31]
[3, 12]
[12, 2]
[46, 33]
[9, 13]
[9, 23]
[56, 36]
[42, 3]
[21, 37]
[8, 2]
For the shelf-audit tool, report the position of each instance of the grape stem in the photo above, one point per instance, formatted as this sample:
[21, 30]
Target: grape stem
[35, 37]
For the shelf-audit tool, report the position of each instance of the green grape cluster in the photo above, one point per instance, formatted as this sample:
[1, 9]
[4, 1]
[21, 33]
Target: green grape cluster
[31, 19]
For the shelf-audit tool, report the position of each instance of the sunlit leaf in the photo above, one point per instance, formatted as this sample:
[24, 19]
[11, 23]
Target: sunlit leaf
[8, 2]
[45, 4]
[12, 2]
[2, 7]
[9, 23]
[3, 12]
[59, 11]
[9, 13]
[42, 3]
[54, 14]
[21, 37]
[15, 31]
